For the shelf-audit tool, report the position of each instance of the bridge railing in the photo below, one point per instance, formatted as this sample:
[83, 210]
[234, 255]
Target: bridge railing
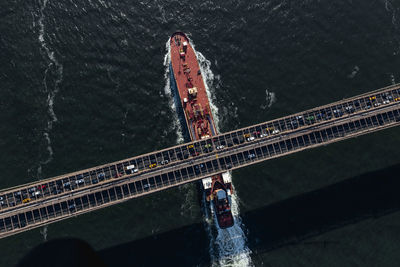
[85, 179]
[247, 153]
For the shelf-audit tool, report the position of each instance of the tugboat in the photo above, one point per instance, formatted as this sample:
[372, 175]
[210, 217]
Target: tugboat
[197, 122]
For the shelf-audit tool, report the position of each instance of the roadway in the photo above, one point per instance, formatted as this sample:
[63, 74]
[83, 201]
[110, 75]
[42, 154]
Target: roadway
[66, 195]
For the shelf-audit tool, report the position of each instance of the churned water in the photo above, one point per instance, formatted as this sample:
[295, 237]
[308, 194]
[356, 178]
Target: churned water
[86, 82]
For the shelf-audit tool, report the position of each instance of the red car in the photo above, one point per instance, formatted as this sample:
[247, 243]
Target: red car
[42, 187]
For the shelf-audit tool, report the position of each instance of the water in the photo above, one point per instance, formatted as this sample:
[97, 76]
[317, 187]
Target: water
[82, 83]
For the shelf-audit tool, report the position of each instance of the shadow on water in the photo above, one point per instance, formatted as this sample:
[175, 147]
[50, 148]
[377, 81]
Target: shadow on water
[370, 195]
[284, 223]
[277, 225]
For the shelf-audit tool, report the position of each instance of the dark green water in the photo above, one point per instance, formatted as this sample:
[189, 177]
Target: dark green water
[82, 83]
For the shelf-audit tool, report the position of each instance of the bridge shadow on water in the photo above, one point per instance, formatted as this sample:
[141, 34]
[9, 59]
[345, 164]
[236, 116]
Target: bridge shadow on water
[277, 225]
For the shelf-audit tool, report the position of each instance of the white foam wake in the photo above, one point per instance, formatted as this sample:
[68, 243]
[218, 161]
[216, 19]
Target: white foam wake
[54, 67]
[169, 94]
[270, 98]
[227, 246]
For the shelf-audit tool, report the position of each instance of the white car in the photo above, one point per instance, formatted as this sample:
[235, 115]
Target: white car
[220, 147]
[36, 193]
[263, 135]
[275, 131]
[146, 186]
[130, 167]
[80, 181]
[386, 102]
[250, 156]
[251, 138]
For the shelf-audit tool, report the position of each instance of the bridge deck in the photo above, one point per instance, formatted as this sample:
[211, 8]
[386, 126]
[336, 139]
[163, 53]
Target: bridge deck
[80, 192]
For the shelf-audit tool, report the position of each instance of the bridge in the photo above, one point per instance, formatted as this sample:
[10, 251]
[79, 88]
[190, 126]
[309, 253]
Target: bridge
[32, 205]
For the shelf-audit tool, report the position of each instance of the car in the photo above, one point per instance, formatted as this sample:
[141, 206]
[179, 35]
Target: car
[67, 185]
[1, 198]
[130, 167]
[80, 181]
[132, 171]
[372, 98]
[251, 156]
[164, 162]
[397, 99]
[41, 187]
[17, 194]
[153, 165]
[56, 190]
[101, 176]
[2, 203]
[377, 104]
[146, 186]
[118, 174]
[337, 113]
[207, 145]
[26, 200]
[310, 118]
[190, 146]
[251, 138]
[299, 117]
[95, 181]
[220, 147]
[71, 206]
[276, 131]
[228, 166]
[263, 135]
[386, 102]
[32, 189]
[200, 166]
[36, 193]
[349, 109]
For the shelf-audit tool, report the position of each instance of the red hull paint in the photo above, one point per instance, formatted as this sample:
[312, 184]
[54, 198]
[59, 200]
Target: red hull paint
[198, 116]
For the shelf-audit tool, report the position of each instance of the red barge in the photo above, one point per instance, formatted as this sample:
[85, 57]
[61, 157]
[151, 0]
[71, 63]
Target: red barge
[194, 112]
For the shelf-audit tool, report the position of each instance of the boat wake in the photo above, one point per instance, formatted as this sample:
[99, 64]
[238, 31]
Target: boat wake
[227, 246]
[270, 98]
[55, 68]
[168, 92]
